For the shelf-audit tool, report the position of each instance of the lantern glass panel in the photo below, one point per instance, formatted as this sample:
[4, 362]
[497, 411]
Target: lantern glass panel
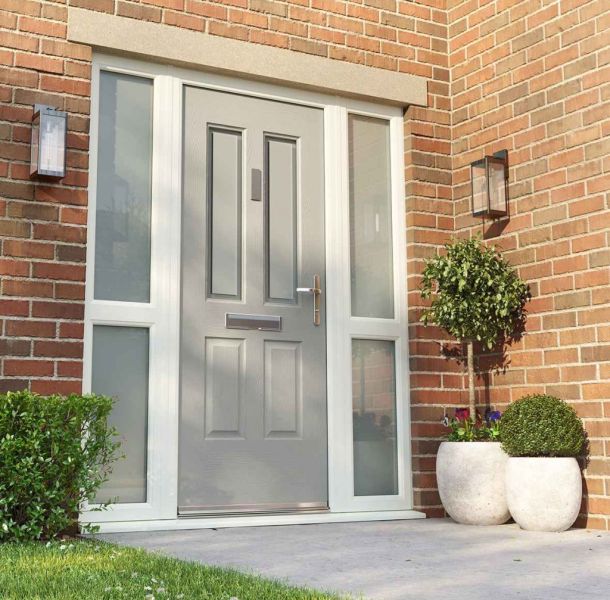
[497, 187]
[52, 144]
[479, 188]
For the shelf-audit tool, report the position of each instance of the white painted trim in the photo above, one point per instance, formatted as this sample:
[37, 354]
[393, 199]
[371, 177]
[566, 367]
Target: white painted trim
[259, 521]
[162, 314]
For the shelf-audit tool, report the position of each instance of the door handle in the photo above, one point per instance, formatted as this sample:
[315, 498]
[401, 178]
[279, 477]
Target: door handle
[316, 291]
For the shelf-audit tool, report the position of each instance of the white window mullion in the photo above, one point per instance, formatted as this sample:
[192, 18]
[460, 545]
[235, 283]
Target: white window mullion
[401, 302]
[337, 296]
[163, 439]
[160, 253]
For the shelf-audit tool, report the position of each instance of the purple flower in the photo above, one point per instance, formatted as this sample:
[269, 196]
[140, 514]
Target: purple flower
[462, 414]
[494, 416]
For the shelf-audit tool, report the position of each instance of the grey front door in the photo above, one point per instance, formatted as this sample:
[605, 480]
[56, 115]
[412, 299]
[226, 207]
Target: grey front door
[253, 435]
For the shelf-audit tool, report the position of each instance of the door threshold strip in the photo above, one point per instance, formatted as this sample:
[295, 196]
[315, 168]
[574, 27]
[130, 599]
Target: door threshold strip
[217, 522]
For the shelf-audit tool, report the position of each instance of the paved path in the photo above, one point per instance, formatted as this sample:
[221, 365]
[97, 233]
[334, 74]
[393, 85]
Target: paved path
[433, 559]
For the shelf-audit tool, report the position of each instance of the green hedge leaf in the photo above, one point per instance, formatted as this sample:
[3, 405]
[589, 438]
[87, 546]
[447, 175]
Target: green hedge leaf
[55, 453]
[540, 425]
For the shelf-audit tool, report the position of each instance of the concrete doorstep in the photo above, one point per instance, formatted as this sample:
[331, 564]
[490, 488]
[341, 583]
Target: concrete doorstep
[404, 560]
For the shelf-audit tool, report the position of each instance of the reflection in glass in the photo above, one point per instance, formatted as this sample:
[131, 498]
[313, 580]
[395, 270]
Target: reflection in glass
[497, 187]
[120, 370]
[370, 211]
[123, 198]
[374, 418]
[479, 188]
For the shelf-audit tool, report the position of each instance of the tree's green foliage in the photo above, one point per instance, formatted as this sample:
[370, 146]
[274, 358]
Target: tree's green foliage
[540, 425]
[55, 453]
[475, 293]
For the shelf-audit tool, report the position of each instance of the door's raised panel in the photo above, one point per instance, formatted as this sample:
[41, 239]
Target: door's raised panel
[283, 389]
[224, 388]
[281, 218]
[224, 212]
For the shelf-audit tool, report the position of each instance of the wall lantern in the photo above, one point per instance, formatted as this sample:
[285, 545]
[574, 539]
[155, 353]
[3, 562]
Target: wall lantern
[489, 177]
[48, 151]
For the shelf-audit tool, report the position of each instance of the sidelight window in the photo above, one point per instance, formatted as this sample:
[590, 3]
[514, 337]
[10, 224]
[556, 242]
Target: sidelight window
[370, 217]
[123, 195]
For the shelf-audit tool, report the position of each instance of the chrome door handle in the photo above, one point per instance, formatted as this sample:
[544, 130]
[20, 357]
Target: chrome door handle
[316, 291]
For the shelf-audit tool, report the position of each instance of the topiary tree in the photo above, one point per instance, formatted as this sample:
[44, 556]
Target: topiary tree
[540, 425]
[475, 296]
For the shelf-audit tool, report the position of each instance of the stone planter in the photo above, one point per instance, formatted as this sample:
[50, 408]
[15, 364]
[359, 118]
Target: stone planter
[543, 494]
[471, 482]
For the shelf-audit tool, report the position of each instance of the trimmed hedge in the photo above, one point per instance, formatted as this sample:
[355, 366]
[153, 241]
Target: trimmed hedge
[55, 453]
[540, 425]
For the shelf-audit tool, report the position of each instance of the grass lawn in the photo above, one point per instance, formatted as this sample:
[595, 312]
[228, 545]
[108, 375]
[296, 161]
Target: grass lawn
[86, 569]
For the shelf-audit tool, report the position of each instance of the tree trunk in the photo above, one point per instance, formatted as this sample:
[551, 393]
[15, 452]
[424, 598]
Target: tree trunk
[471, 398]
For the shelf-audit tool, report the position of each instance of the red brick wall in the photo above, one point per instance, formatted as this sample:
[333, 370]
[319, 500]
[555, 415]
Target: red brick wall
[42, 227]
[502, 77]
[534, 77]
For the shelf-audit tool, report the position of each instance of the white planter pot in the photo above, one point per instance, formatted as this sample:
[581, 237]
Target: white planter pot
[471, 479]
[543, 494]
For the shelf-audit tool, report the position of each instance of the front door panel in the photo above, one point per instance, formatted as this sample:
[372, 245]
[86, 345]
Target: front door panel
[253, 386]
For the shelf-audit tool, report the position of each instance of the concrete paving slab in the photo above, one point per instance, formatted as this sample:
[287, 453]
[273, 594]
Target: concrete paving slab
[403, 560]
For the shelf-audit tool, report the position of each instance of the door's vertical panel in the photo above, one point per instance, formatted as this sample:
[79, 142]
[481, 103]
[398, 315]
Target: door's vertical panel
[283, 394]
[281, 217]
[224, 388]
[224, 212]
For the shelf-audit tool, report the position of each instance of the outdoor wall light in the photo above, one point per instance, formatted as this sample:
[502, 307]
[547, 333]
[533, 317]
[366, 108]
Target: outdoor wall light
[48, 149]
[489, 177]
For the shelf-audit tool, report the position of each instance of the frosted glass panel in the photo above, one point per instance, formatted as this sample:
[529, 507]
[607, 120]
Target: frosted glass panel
[120, 370]
[224, 212]
[280, 186]
[497, 187]
[123, 198]
[370, 218]
[374, 418]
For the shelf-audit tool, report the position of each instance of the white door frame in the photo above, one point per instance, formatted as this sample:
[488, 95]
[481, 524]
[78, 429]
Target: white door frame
[162, 314]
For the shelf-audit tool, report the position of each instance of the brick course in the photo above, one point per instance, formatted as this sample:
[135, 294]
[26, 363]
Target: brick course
[544, 68]
[530, 76]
